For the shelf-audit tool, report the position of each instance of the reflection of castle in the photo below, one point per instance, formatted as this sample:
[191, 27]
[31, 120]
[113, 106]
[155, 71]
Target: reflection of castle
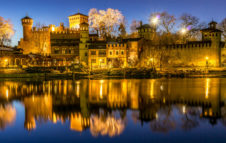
[81, 101]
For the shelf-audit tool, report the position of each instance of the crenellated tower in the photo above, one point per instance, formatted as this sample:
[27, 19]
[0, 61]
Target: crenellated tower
[213, 35]
[27, 24]
[84, 38]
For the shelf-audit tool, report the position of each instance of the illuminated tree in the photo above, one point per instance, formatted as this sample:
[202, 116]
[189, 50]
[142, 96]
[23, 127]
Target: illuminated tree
[6, 31]
[106, 22]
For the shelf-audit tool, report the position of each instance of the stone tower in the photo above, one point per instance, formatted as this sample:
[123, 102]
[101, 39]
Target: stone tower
[145, 31]
[214, 35]
[77, 19]
[84, 38]
[27, 24]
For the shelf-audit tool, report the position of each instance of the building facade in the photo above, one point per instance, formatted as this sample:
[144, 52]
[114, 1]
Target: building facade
[117, 54]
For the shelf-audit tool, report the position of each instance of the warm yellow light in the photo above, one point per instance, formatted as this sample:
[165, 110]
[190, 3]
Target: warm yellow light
[207, 88]
[207, 58]
[6, 60]
[7, 93]
[53, 29]
[155, 20]
[184, 31]
[151, 59]
[184, 109]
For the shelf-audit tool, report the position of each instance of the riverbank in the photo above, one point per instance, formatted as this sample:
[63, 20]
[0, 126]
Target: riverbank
[141, 73]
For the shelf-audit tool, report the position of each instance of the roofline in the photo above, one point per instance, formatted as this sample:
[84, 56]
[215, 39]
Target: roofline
[78, 14]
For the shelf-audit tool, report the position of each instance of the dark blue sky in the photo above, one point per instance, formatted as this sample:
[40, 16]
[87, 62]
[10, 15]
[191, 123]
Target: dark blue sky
[56, 11]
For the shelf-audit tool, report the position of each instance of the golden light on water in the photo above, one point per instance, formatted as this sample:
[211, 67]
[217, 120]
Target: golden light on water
[207, 88]
[77, 88]
[152, 88]
[7, 93]
[184, 109]
[101, 89]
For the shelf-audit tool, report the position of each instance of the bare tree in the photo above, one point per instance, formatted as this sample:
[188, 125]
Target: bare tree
[192, 26]
[165, 22]
[134, 25]
[223, 27]
[122, 30]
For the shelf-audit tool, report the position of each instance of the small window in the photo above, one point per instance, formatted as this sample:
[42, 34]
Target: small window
[110, 53]
[122, 52]
[116, 52]
[102, 53]
[64, 51]
[93, 52]
[93, 60]
[86, 54]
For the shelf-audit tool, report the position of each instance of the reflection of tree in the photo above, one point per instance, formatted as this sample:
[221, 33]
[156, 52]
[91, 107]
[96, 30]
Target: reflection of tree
[223, 114]
[164, 122]
[190, 119]
[106, 126]
[7, 115]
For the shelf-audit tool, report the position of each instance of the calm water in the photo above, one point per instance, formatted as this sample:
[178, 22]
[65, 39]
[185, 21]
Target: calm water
[162, 110]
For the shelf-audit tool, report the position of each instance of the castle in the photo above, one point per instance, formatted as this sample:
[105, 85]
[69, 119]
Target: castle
[209, 52]
[74, 44]
[62, 43]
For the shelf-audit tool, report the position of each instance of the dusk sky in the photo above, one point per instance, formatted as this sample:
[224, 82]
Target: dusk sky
[56, 11]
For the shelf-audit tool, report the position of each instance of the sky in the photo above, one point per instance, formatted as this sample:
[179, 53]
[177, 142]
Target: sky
[56, 11]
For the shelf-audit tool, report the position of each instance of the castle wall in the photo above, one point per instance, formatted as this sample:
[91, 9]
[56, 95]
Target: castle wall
[197, 54]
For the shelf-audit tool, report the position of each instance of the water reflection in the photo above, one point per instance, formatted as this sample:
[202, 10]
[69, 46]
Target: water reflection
[7, 115]
[101, 105]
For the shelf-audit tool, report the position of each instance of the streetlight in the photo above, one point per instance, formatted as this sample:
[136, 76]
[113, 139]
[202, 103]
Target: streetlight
[6, 62]
[151, 60]
[155, 20]
[183, 32]
[100, 62]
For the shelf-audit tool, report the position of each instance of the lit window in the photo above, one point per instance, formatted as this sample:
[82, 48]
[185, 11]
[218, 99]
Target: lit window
[122, 52]
[116, 52]
[93, 60]
[93, 52]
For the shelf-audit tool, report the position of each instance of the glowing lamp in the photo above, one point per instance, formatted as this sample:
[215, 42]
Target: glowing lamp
[184, 31]
[155, 20]
[53, 29]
